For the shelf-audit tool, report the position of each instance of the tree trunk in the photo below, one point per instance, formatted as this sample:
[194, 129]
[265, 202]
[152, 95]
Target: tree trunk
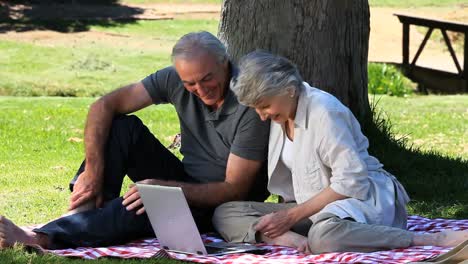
[327, 39]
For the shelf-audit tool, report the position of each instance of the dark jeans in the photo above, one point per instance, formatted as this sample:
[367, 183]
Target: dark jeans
[131, 150]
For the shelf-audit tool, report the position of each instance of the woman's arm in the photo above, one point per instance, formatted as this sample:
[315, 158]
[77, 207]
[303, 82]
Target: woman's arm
[339, 151]
[315, 204]
[278, 223]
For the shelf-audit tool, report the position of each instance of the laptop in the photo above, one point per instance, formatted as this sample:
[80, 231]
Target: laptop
[175, 228]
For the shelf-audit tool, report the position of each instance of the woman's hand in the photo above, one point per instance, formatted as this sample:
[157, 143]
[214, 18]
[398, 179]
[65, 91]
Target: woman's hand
[275, 224]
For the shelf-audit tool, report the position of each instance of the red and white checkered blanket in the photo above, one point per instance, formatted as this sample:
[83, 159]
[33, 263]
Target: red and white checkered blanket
[149, 248]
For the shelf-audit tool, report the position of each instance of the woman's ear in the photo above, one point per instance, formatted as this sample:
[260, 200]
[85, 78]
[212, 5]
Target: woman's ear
[291, 91]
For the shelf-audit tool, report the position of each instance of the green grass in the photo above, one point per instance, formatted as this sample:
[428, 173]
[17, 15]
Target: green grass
[170, 30]
[64, 71]
[430, 122]
[92, 67]
[415, 3]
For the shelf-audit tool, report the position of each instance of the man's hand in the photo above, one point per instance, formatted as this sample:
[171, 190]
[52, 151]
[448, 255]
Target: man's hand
[132, 199]
[125, 100]
[86, 189]
[275, 224]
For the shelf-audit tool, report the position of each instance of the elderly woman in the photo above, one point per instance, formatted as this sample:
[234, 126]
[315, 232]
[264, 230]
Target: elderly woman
[334, 196]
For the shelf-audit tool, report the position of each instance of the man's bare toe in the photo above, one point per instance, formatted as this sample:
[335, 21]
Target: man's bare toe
[11, 234]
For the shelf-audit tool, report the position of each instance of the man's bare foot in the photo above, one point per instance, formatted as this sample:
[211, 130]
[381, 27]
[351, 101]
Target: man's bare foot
[289, 239]
[11, 234]
[447, 238]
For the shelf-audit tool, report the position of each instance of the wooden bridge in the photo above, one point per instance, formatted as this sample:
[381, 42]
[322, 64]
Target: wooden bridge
[431, 78]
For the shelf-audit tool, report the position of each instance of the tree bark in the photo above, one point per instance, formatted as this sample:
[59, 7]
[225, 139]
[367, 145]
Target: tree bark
[327, 39]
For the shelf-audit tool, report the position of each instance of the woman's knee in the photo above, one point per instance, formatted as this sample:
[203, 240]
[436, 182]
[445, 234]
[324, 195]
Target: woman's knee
[226, 212]
[323, 238]
[232, 220]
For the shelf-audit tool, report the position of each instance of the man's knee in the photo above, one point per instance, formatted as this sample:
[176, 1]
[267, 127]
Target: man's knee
[126, 128]
[125, 122]
[323, 236]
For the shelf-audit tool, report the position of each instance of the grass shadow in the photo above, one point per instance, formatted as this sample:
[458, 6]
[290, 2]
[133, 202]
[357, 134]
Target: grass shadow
[437, 184]
[64, 16]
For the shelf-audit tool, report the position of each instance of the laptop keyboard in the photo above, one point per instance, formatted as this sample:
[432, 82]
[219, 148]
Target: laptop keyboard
[216, 250]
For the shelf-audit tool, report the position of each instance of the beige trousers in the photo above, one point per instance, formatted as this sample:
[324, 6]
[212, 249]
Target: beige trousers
[235, 222]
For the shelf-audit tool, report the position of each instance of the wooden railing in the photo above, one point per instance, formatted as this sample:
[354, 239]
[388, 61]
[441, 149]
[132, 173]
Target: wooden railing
[432, 24]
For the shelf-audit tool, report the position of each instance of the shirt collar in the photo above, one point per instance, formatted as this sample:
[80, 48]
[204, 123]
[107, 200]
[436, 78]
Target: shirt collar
[302, 114]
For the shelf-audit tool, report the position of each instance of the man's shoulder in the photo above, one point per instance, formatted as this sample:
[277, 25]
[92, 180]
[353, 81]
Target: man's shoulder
[251, 120]
[162, 84]
[167, 75]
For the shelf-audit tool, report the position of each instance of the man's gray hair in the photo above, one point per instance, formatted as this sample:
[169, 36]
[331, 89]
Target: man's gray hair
[190, 44]
[261, 75]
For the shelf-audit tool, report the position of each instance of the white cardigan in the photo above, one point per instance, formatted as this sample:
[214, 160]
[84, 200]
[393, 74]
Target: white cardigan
[330, 150]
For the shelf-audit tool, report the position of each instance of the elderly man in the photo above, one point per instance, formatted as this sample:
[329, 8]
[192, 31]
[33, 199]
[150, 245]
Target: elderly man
[224, 146]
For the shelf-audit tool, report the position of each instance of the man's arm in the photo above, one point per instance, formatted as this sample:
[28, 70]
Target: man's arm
[240, 176]
[121, 101]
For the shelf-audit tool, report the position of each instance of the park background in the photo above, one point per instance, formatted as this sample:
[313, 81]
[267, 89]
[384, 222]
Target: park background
[54, 64]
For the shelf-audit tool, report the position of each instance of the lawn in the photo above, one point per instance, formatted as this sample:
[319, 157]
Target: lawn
[78, 65]
[429, 122]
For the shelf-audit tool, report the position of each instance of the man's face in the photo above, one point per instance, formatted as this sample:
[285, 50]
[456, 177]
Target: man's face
[205, 77]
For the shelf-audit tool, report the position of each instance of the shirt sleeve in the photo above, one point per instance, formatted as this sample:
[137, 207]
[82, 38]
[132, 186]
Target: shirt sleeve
[251, 139]
[339, 151]
[161, 84]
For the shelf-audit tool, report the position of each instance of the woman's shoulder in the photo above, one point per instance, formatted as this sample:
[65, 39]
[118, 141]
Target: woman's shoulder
[319, 101]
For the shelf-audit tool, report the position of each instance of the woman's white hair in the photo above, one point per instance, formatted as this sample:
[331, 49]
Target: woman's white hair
[190, 44]
[262, 74]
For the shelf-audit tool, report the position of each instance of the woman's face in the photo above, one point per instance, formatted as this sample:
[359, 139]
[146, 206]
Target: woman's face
[277, 108]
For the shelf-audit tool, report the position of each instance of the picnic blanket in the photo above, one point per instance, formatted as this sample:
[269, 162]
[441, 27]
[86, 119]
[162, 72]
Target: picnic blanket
[150, 248]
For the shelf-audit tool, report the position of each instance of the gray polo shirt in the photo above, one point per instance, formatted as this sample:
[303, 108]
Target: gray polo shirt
[208, 137]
